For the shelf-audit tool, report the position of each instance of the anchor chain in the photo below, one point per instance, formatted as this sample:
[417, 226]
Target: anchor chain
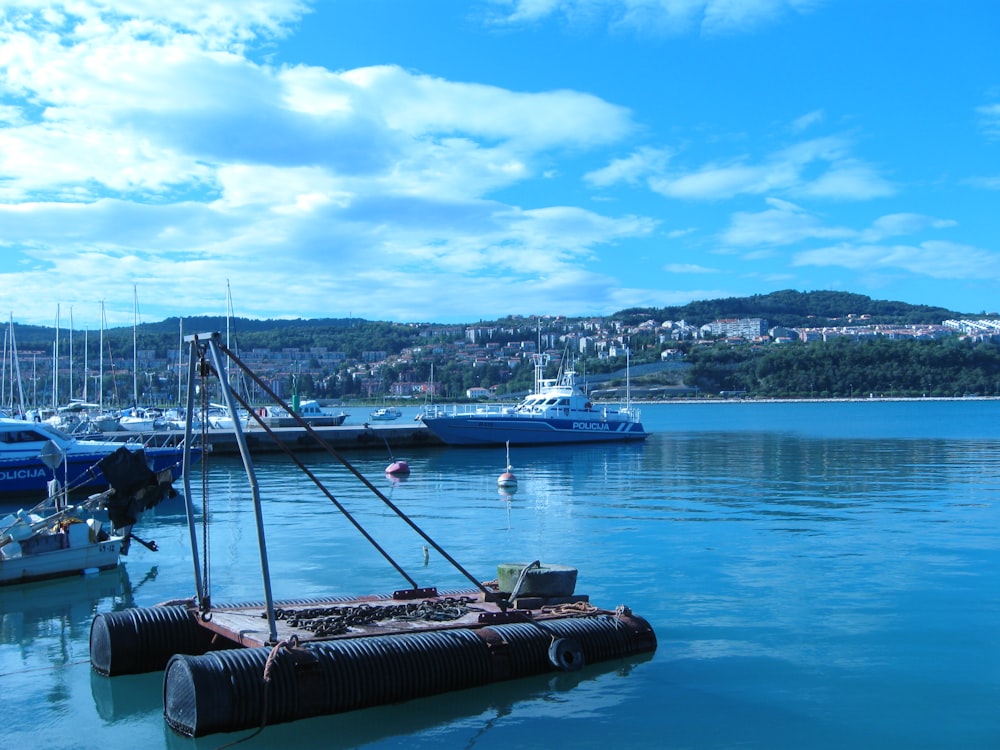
[337, 619]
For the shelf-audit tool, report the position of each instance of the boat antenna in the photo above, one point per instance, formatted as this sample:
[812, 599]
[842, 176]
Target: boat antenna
[628, 378]
[135, 349]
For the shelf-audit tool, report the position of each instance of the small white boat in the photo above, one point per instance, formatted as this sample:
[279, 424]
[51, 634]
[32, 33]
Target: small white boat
[140, 420]
[385, 414]
[66, 542]
[219, 418]
[310, 410]
[56, 539]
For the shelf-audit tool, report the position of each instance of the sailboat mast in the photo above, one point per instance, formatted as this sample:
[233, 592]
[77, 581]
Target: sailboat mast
[3, 372]
[70, 354]
[55, 365]
[86, 367]
[180, 351]
[100, 375]
[229, 314]
[135, 350]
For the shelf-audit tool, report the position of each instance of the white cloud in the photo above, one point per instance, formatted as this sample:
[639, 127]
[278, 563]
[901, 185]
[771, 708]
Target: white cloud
[654, 16]
[935, 259]
[848, 179]
[783, 224]
[989, 117]
[151, 152]
[894, 225]
[986, 183]
[688, 268]
[807, 120]
[631, 169]
[819, 168]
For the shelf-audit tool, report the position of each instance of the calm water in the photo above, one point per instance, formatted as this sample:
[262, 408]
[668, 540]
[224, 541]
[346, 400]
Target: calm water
[818, 575]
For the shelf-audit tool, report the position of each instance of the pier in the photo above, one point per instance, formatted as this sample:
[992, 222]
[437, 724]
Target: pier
[259, 440]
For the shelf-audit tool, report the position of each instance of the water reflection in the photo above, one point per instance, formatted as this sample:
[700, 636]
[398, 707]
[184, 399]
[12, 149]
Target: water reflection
[465, 718]
[64, 605]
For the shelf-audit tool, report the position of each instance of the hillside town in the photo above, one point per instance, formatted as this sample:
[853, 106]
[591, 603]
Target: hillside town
[507, 349]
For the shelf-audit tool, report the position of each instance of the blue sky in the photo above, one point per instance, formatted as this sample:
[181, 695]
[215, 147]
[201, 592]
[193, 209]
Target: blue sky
[451, 161]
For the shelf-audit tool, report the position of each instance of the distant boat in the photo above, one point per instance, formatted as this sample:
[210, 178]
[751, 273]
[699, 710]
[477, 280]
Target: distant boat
[557, 412]
[140, 420]
[219, 418]
[310, 410]
[385, 414]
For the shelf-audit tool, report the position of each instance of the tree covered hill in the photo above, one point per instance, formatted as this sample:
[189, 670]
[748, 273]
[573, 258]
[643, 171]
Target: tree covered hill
[791, 309]
[787, 308]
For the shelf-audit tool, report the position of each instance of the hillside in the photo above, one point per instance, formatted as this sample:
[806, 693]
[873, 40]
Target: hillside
[786, 308]
[791, 308]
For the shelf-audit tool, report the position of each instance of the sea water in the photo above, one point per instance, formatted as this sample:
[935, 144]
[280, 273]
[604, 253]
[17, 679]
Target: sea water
[819, 575]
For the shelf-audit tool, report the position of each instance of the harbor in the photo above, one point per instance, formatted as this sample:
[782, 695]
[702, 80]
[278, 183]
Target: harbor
[529, 621]
[817, 574]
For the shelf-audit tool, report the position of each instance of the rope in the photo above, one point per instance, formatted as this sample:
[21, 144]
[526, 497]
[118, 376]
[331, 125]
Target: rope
[574, 609]
[272, 658]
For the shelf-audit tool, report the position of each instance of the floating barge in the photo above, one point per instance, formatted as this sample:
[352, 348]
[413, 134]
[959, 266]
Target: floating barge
[244, 666]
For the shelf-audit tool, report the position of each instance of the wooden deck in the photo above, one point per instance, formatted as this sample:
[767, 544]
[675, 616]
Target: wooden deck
[322, 620]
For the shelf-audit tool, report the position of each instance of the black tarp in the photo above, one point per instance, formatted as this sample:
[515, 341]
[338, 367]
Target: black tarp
[137, 487]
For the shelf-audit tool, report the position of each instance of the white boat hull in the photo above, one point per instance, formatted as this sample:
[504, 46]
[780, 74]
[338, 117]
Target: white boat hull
[60, 562]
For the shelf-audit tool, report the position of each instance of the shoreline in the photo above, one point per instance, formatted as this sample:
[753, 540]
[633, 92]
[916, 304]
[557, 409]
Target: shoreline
[869, 400]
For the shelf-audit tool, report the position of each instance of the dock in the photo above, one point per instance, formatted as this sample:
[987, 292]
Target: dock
[224, 671]
[258, 440]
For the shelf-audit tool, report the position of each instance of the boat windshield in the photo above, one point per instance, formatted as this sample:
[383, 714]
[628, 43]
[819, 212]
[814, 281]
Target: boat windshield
[28, 436]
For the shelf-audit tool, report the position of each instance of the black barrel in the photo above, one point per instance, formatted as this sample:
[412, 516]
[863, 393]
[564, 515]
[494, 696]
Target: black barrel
[134, 641]
[226, 691]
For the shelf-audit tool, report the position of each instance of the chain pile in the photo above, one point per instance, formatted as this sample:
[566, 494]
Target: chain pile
[337, 620]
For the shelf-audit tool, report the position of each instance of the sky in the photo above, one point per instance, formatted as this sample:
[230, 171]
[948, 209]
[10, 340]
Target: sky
[450, 161]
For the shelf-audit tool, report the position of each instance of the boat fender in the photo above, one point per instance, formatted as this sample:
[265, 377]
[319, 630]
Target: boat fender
[566, 654]
[262, 412]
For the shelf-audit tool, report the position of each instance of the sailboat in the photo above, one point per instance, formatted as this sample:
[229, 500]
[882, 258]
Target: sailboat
[13, 403]
[137, 419]
[384, 413]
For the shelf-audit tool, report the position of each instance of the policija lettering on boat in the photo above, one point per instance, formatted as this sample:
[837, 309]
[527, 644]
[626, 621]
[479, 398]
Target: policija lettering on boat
[591, 426]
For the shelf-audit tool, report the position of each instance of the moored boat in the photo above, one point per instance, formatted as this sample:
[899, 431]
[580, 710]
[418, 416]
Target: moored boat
[56, 538]
[310, 410]
[34, 547]
[34, 453]
[558, 411]
[385, 414]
